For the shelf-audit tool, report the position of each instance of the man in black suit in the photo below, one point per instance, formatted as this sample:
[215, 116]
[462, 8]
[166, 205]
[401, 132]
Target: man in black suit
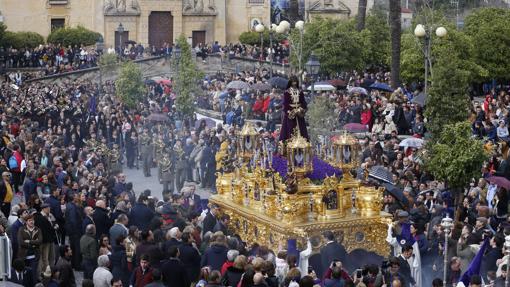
[405, 268]
[332, 250]
[174, 272]
[210, 219]
[20, 274]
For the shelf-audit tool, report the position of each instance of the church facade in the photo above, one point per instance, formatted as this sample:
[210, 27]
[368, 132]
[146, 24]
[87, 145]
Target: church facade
[156, 22]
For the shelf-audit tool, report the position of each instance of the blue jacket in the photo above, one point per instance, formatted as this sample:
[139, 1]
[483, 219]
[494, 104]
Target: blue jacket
[140, 216]
[55, 208]
[73, 220]
[214, 256]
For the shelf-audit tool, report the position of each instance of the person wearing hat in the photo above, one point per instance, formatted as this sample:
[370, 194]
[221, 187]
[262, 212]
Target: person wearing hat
[44, 221]
[30, 238]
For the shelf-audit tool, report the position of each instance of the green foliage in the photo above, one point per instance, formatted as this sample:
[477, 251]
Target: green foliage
[130, 86]
[252, 38]
[186, 82]
[489, 29]
[336, 43]
[20, 40]
[456, 157]
[412, 61]
[73, 36]
[108, 62]
[3, 28]
[321, 117]
[376, 40]
[448, 100]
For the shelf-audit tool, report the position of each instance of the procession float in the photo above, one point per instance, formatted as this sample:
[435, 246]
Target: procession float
[298, 191]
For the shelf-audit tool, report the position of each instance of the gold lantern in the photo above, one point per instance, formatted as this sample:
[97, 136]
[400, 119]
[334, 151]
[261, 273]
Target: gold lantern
[346, 154]
[247, 142]
[299, 152]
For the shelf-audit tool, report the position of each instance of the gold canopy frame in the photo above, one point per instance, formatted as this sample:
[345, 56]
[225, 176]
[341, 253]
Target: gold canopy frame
[262, 211]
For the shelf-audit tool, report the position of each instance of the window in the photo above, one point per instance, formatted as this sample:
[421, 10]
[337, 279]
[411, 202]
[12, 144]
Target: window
[57, 23]
[58, 2]
[256, 1]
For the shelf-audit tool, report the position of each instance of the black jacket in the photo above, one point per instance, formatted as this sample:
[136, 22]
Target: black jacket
[209, 222]
[102, 220]
[405, 270]
[232, 276]
[174, 273]
[190, 259]
[48, 232]
[27, 277]
[332, 251]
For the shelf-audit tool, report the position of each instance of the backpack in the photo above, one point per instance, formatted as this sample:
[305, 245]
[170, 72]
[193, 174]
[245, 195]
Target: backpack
[13, 163]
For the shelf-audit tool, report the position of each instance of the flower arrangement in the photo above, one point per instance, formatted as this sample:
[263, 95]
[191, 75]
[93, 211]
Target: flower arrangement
[321, 169]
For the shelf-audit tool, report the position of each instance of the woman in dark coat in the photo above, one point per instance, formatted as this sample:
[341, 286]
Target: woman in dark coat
[294, 109]
[235, 272]
[118, 261]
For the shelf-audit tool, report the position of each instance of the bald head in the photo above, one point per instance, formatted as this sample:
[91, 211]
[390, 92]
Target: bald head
[101, 204]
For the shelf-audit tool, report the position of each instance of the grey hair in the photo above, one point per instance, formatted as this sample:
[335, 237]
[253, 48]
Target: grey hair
[103, 261]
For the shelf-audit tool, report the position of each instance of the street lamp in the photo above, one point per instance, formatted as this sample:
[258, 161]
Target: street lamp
[260, 29]
[99, 50]
[272, 30]
[312, 67]
[284, 28]
[447, 224]
[120, 29]
[507, 251]
[300, 25]
[423, 32]
[177, 54]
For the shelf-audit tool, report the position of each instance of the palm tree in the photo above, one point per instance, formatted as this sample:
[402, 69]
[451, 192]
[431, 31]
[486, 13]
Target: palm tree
[362, 12]
[395, 31]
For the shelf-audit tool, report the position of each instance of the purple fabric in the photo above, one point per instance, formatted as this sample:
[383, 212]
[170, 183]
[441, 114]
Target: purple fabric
[321, 169]
[288, 125]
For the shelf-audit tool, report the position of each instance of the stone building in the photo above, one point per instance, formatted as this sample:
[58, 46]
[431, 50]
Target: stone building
[156, 22]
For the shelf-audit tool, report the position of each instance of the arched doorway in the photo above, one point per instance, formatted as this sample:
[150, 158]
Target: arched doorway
[161, 26]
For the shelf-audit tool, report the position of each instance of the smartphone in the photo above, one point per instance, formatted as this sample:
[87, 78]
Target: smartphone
[358, 273]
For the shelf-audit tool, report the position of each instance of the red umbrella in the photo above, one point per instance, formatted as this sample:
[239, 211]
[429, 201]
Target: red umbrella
[338, 83]
[500, 181]
[355, 128]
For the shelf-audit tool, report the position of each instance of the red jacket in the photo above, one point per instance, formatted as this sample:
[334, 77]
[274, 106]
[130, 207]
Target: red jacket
[258, 107]
[267, 101]
[139, 280]
[366, 117]
[225, 266]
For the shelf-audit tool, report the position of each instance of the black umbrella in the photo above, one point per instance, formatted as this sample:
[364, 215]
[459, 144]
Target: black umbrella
[397, 193]
[380, 173]
[278, 82]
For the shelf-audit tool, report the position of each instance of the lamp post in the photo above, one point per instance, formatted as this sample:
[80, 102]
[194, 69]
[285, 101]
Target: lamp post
[99, 49]
[507, 251]
[312, 67]
[272, 30]
[284, 28]
[177, 54]
[260, 29]
[447, 224]
[425, 33]
[120, 29]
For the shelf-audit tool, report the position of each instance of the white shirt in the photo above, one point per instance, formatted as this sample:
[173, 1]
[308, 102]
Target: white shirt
[102, 277]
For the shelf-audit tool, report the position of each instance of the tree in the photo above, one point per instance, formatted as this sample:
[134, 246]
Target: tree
[130, 86]
[489, 29]
[107, 62]
[73, 36]
[362, 12]
[376, 40]
[3, 28]
[186, 81]
[448, 100]
[321, 117]
[336, 43]
[252, 38]
[19, 40]
[456, 157]
[396, 31]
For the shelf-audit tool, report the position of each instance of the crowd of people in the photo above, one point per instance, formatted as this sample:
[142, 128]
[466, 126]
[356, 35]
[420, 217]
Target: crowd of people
[66, 204]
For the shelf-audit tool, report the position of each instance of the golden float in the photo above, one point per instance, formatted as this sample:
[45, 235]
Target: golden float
[268, 210]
